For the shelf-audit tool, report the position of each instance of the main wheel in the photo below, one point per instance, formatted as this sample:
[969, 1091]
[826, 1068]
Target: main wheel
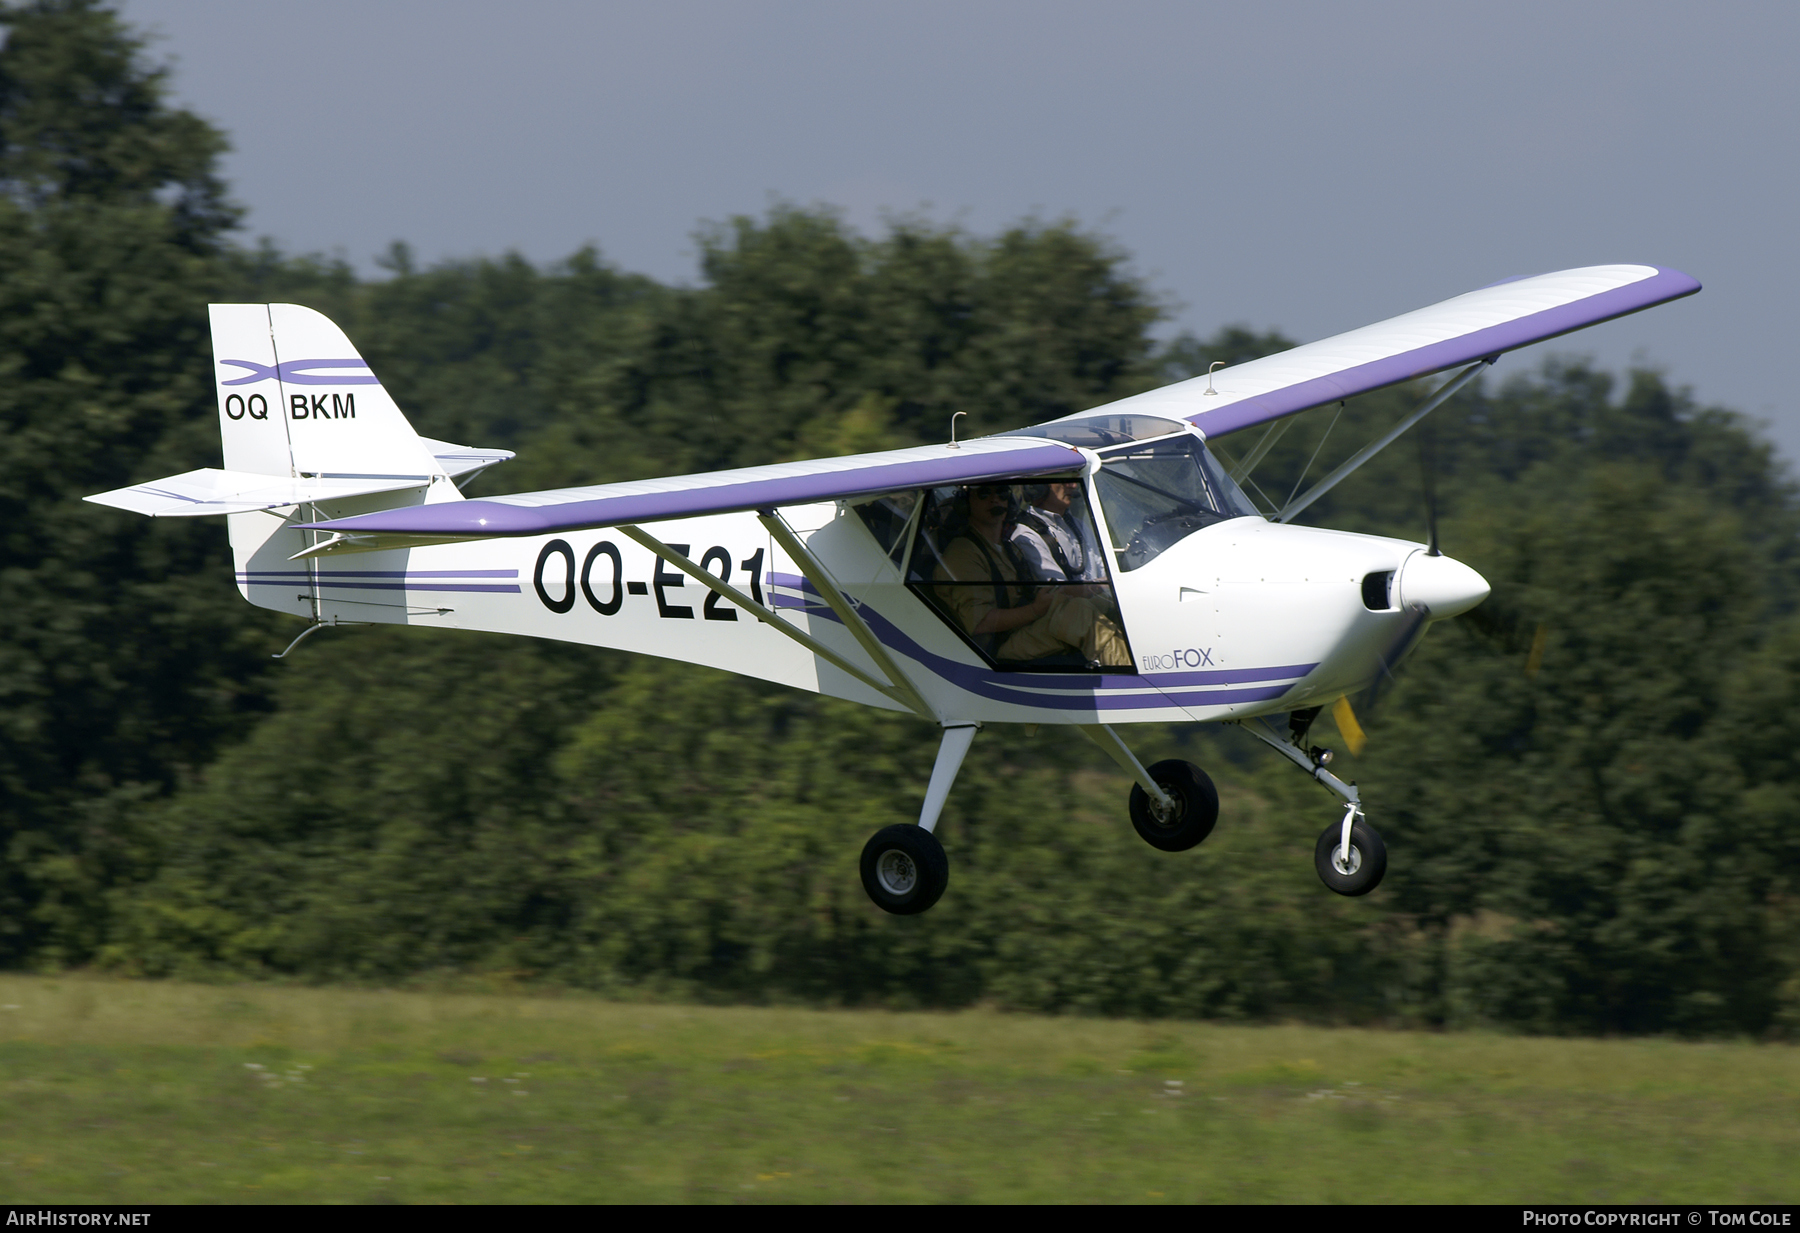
[1368, 859]
[1194, 815]
[904, 869]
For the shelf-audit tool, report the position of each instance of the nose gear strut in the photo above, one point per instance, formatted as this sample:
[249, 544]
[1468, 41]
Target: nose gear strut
[1350, 857]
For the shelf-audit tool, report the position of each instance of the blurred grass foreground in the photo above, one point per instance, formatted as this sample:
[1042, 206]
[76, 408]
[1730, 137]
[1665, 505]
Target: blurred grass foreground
[144, 1092]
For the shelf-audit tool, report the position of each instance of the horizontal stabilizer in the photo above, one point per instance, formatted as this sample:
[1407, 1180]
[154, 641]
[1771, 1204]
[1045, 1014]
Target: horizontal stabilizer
[212, 491]
[1475, 326]
[716, 492]
[460, 460]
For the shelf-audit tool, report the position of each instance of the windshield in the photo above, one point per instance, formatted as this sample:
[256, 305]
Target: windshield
[1157, 493]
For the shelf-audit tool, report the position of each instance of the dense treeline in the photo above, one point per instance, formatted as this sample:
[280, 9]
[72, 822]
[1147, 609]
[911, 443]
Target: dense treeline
[1586, 784]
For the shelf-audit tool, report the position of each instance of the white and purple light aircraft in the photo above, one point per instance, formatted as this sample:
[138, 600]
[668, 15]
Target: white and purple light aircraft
[1098, 570]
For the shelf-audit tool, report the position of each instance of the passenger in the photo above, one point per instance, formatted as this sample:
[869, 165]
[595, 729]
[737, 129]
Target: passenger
[1019, 620]
[1059, 548]
[1066, 542]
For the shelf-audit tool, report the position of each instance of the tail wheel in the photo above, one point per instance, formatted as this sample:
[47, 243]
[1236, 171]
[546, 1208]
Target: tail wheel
[1193, 815]
[904, 869]
[1361, 872]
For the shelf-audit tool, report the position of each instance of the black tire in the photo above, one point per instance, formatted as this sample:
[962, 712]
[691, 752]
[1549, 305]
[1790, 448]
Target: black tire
[1368, 859]
[904, 869]
[1196, 807]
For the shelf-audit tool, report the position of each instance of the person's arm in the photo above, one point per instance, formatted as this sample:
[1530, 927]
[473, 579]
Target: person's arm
[1005, 620]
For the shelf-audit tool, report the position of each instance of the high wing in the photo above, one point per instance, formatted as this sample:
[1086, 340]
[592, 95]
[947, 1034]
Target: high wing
[1502, 317]
[714, 492]
[1471, 327]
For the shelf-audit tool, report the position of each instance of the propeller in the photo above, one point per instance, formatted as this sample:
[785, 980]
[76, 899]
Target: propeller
[1407, 635]
[1428, 480]
[1404, 639]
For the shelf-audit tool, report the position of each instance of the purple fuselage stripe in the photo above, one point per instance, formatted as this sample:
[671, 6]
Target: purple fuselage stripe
[1659, 288]
[1082, 692]
[1083, 681]
[504, 588]
[380, 573]
[494, 518]
[1014, 687]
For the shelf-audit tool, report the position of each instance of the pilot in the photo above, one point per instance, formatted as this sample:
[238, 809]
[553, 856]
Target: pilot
[1057, 546]
[1018, 620]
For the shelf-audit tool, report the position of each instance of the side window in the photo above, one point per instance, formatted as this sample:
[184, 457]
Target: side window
[887, 517]
[1017, 570]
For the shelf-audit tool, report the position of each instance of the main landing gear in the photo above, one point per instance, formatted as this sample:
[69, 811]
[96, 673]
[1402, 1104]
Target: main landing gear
[1174, 806]
[904, 868]
[1189, 815]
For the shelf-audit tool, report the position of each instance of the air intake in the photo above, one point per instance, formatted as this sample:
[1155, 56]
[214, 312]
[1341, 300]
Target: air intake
[1378, 591]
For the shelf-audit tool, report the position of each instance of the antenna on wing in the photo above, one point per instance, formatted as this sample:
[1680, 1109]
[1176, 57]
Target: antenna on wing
[1209, 372]
[953, 445]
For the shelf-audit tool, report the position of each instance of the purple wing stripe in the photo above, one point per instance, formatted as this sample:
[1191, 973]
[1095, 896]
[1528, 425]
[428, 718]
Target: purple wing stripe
[295, 372]
[1659, 288]
[494, 518]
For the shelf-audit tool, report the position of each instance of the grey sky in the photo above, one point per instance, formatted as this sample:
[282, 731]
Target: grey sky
[1309, 166]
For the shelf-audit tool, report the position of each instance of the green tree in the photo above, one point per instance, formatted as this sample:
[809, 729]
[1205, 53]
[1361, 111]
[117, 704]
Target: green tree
[124, 657]
[800, 325]
[1569, 769]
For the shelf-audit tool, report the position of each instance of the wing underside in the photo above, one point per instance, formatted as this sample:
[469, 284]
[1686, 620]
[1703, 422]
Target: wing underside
[717, 492]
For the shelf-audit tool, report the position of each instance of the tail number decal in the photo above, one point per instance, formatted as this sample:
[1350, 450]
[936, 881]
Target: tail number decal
[341, 406]
[236, 408]
[601, 580]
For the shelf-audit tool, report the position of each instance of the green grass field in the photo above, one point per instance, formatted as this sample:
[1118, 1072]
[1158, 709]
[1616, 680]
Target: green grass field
[120, 1092]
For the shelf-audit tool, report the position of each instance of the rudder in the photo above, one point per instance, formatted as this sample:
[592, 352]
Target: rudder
[295, 399]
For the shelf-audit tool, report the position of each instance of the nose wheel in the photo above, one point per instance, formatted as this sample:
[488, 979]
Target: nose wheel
[1350, 865]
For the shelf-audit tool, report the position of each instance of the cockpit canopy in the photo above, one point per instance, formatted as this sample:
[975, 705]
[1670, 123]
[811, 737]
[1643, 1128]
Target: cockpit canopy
[975, 552]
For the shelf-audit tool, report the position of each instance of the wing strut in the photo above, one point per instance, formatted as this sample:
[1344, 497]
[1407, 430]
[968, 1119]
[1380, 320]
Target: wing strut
[1369, 451]
[903, 688]
[907, 697]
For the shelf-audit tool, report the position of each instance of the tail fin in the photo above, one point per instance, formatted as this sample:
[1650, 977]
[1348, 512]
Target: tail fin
[296, 400]
[309, 434]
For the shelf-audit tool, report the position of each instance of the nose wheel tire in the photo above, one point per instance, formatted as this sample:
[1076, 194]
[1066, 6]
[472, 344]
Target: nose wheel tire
[904, 869]
[1368, 859]
[1196, 807]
